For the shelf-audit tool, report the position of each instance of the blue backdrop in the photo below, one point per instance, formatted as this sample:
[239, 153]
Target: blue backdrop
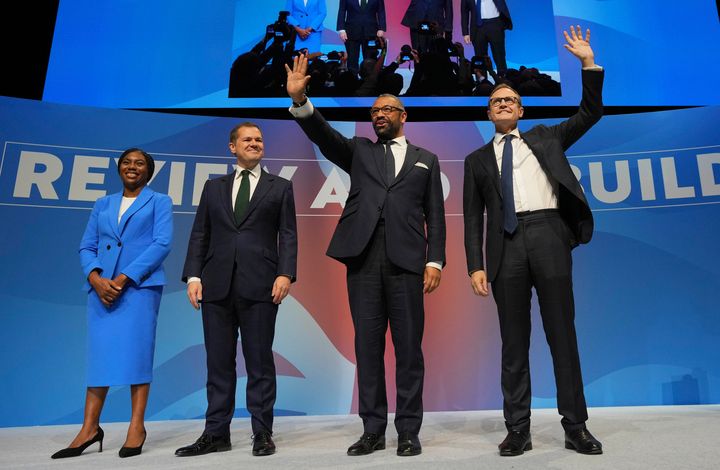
[646, 286]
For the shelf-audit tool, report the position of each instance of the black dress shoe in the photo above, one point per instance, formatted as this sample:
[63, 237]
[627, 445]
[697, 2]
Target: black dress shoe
[582, 442]
[75, 451]
[132, 451]
[515, 443]
[263, 444]
[204, 445]
[408, 444]
[367, 444]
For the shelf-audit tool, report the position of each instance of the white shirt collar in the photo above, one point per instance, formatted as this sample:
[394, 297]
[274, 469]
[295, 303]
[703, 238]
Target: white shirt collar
[255, 171]
[499, 137]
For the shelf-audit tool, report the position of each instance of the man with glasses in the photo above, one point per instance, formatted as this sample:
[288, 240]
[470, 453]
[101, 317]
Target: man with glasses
[391, 237]
[536, 213]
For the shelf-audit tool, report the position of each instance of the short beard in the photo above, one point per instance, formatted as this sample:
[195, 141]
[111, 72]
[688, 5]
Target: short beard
[390, 132]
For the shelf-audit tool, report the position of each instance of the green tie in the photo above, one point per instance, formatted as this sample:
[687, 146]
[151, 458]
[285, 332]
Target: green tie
[243, 196]
[363, 4]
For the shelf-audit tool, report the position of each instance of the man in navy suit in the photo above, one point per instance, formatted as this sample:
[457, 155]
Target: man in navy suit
[391, 236]
[536, 213]
[358, 21]
[484, 22]
[241, 259]
[437, 13]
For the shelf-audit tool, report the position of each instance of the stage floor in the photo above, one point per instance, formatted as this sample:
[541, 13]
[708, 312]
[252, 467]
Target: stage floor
[667, 437]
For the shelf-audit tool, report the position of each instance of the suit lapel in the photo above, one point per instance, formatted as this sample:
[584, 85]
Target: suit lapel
[114, 210]
[379, 157]
[263, 186]
[227, 202]
[145, 195]
[411, 157]
[489, 161]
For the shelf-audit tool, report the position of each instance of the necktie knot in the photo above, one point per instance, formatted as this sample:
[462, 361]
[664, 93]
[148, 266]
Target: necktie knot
[245, 172]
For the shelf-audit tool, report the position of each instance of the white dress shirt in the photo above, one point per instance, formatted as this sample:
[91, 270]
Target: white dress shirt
[488, 10]
[125, 205]
[532, 188]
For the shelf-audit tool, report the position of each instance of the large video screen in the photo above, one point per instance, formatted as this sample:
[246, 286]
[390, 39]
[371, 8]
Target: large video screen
[231, 53]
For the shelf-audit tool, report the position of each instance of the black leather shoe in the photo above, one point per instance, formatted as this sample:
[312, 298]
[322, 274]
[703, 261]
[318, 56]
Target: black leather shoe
[367, 444]
[263, 444]
[75, 451]
[132, 451]
[204, 445]
[515, 443]
[582, 442]
[408, 444]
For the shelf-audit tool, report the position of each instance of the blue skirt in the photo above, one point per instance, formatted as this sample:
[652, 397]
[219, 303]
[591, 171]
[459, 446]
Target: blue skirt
[121, 338]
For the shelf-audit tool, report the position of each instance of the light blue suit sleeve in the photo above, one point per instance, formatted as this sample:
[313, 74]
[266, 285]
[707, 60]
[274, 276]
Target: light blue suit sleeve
[89, 243]
[289, 7]
[316, 22]
[152, 257]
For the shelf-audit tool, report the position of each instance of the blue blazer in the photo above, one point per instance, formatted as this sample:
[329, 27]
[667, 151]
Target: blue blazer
[313, 14]
[136, 246]
[262, 247]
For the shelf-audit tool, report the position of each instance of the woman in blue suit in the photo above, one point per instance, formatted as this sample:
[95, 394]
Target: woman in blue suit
[307, 17]
[125, 242]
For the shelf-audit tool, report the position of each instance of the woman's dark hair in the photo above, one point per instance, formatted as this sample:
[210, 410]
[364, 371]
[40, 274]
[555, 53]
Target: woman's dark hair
[148, 160]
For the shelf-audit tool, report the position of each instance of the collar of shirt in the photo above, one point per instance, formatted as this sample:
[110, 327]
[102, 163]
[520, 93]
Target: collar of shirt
[399, 149]
[498, 139]
[255, 171]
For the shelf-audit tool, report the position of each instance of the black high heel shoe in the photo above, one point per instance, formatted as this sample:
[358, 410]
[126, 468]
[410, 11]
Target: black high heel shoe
[132, 451]
[75, 451]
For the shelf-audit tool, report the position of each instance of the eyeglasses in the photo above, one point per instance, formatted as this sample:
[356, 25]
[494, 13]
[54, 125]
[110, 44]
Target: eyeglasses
[508, 100]
[385, 110]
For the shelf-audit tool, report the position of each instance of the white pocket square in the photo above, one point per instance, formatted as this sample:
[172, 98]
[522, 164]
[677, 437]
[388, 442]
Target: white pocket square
[422, 165]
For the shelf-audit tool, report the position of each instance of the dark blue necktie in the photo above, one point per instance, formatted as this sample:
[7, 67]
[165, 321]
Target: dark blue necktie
[389, 163]
[506, 183]
[478, 16]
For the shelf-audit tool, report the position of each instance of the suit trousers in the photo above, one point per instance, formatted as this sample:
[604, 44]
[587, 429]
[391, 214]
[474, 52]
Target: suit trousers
[538, 255]
[256, 321]
[382, 293]
[422, 41]
[491, 32]
[353, 46]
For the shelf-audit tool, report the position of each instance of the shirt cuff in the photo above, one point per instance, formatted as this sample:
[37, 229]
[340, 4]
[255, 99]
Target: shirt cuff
[433, 264]
[594, 68]
[193, 279]
[302, 112]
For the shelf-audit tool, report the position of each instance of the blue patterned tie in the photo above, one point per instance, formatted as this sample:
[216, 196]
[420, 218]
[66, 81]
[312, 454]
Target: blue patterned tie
[506, 183]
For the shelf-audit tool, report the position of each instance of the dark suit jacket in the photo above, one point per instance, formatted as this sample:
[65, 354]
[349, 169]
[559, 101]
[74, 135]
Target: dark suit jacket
[412, 202]
[264, 245]
[481, 190]
[358, 23]
[468, 15]
[440, 11]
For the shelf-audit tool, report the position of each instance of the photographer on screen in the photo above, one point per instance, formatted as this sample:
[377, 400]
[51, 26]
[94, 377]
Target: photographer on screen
[260, 72]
